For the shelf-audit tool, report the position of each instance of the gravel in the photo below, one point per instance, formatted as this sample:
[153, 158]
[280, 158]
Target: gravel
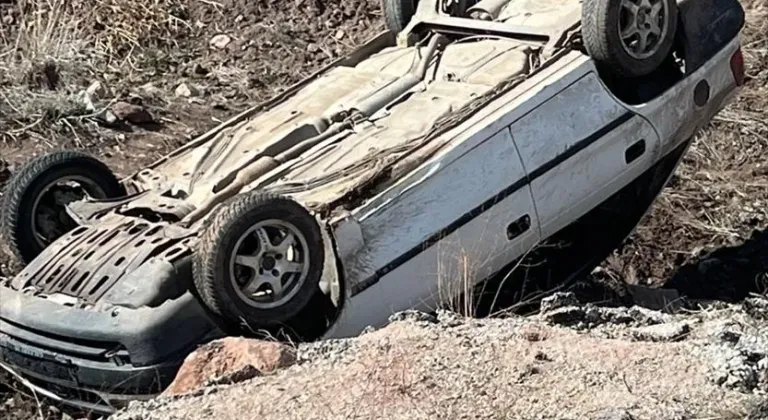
[572, 361]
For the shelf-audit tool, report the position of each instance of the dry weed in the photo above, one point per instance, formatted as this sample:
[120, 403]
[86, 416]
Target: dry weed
[50, 50]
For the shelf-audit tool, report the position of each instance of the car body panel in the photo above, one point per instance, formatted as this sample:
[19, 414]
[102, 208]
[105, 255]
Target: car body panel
[574, 179]
[574, 164]
[675, 114]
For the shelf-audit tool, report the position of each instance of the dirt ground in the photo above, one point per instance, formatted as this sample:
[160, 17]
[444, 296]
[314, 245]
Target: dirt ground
[605, 365]
[193, 64]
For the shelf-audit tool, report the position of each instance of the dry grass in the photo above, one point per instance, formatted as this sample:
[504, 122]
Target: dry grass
[50, 50]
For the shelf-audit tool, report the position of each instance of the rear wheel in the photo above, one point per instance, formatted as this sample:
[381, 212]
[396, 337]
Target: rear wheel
[631, 38]
[34, 205]
[397, 13]
[259, 262]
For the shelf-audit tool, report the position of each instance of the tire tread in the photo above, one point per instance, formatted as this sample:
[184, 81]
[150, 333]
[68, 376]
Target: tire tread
[397, 13]
[599, 22]
[207, 278]
[14, 197]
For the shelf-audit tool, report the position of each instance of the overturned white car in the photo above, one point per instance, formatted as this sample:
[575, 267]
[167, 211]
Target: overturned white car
[430, 160]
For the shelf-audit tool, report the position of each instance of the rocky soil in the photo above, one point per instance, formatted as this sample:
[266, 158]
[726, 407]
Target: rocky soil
[130, 80]
[572, 361]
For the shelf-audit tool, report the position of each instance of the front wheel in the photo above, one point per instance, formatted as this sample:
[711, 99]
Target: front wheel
[259, 261]
[631, 38]
[34, 205]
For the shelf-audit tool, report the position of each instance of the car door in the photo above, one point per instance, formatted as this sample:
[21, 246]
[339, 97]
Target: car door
[578, 148]
[455, 222]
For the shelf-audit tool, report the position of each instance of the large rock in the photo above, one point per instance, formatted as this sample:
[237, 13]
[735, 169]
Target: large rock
[229, 360]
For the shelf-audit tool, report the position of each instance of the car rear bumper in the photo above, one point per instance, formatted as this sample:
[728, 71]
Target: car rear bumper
[98, 360]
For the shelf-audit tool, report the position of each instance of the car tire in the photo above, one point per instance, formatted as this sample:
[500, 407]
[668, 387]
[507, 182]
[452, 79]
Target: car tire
[28, 191]
[222, 280]
[621, 52]
[397, 13]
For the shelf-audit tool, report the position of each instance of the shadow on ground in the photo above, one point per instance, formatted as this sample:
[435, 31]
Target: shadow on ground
[727, 274]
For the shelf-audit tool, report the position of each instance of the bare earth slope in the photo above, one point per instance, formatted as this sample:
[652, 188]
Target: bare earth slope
[610, 364]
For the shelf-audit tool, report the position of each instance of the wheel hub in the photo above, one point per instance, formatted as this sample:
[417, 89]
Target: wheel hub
[49, 216]
[270, 263]
[643, 26]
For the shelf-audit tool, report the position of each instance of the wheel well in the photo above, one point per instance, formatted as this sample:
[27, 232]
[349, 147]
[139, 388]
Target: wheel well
[703, 29]
[644, 89]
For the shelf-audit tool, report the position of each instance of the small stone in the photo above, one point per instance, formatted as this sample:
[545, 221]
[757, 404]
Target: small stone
[135, 114]
[662, 332]
[339, 34]
[239, 18]
[313, 48]
[108, 117]
[534, 333]
[220, 41]
[186, 90]
[449, 319]
[558, 300]
[96, 90]
[151, 90]
[411, 315]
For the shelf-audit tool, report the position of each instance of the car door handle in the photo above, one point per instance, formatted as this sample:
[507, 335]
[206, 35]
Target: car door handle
[634, 151]
[518, 227]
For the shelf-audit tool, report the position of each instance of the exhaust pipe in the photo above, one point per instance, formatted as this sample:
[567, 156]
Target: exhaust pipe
[394, 90]
[363, 109]
[487, 9]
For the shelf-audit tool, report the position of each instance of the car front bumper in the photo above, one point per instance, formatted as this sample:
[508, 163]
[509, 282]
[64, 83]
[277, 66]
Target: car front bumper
[98, 360]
